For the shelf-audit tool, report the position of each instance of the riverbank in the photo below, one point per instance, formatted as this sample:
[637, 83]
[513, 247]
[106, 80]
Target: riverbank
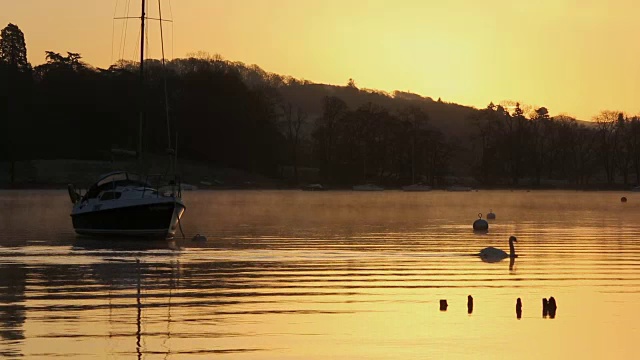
[56, 174]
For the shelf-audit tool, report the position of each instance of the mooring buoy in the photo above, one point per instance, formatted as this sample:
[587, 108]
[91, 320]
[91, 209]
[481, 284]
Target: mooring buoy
[480, 224]
[199, 237]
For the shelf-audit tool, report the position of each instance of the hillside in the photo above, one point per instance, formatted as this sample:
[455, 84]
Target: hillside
[447, 117]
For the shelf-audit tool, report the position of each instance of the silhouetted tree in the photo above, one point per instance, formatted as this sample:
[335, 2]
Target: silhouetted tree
[334, 110]
[292, 123]
[607, 142]
[541, 136]
[416, 121]
[67, 96]
[488, 130]
[634, 145]
[624, 147]
[13, 48]
[15, 76]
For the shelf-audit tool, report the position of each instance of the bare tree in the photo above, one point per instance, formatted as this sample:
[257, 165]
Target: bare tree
[607, 141]
[293, 124]
[327, 131]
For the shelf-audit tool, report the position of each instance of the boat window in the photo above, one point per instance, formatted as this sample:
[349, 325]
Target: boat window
[110, 195]
[115, 177]
[113, 183]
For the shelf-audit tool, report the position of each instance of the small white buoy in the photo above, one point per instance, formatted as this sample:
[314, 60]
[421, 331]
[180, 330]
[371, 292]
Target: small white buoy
[491, 215]
[480, 224]
[199, 237]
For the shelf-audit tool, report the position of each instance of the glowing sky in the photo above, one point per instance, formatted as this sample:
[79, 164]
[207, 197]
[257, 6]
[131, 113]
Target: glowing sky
[572, 56]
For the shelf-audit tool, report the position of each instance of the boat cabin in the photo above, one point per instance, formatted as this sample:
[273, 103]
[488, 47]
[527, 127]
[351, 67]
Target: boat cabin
[112, 181]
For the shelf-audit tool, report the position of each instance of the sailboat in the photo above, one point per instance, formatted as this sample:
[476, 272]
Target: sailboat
[121, 203]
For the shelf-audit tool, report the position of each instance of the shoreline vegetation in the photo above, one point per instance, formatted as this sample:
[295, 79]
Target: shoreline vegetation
[252, 128]
[57, 174]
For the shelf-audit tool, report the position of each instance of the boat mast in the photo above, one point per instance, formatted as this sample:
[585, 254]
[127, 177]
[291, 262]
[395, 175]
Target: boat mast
[171, 152]
[164, 72]
[142, 19]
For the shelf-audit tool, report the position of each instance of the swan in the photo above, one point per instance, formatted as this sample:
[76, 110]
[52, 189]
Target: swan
[492, 254]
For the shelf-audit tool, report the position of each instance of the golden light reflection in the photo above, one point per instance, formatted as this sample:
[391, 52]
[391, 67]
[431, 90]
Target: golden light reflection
[332, 275]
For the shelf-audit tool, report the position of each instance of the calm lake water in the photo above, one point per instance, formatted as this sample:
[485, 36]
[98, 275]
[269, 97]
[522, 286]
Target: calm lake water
[318, 275]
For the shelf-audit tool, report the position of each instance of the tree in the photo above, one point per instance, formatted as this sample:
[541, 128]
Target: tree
[488, 129]
[515, 141]
[540, 136]
[13, 49]
[334, 110]
[61, 65]
[15, 77]
[607, 141]
[634, 135]
[625, 144]
[416, 120]
[292, 125]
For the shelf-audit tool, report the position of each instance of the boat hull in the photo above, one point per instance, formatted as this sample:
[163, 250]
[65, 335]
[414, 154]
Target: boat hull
[154, 220]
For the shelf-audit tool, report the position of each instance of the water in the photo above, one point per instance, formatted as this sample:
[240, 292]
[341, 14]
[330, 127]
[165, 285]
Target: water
[340, 275]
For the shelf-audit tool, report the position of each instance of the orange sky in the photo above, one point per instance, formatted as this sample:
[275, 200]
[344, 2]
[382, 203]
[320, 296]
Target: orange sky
[572, 56]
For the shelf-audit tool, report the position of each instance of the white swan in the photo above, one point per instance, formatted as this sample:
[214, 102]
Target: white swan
[492, 254]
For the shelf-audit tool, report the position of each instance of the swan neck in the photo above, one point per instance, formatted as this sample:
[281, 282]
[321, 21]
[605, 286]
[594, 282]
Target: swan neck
[512, 249]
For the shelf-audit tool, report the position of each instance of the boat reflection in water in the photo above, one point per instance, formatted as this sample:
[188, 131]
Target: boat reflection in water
[124, 245]
[131, 268]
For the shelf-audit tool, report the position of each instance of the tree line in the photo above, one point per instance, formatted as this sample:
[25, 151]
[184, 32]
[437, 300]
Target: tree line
[228, 114]
[511, 147]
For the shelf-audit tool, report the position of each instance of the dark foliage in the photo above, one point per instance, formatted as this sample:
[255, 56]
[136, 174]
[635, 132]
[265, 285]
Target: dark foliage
[232, 115]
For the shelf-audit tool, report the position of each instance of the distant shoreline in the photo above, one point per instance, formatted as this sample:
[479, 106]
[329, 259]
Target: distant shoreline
[58, 173]
[61, 186]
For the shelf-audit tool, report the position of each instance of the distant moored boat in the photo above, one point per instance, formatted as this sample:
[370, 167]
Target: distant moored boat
[367, 187]
[459, 188]
[416, 187]
[314, 187]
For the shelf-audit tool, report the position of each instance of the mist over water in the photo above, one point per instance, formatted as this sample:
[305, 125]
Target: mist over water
[341, 275]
